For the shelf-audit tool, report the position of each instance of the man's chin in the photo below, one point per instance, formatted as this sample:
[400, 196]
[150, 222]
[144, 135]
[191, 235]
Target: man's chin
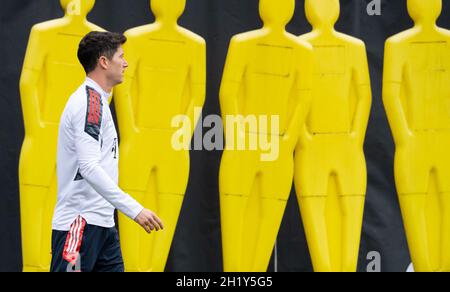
[119, 81]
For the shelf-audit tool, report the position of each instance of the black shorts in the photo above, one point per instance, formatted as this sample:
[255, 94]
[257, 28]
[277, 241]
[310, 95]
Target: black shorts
[86, 248]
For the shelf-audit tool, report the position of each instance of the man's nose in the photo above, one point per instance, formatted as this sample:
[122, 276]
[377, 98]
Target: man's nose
[125, 64]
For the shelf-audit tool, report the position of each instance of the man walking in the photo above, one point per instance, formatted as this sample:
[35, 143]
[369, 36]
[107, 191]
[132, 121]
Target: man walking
[84, 233]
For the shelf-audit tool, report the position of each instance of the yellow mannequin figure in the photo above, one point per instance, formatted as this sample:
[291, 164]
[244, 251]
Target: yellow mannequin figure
[267, 73]
[330, 168]
[166, 77]
[417, 100]
[51, 72]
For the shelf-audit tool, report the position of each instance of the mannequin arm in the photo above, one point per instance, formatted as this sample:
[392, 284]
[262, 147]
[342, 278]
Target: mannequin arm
[364, 95]
[123, 93]
[232, 78]
[198, 85]
[393, 78]
[30, 100]
[123, 101]
[29, 80]
[395, 112]
[297, 126]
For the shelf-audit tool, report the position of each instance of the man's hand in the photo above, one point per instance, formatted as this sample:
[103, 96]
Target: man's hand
[149, 221]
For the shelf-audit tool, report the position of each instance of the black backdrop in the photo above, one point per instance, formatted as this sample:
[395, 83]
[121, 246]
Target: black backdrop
[197, 243]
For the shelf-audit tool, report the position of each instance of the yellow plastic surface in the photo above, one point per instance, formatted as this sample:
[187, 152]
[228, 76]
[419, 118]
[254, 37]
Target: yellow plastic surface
[416, 95]
[267, 72]
[330, 167]
[51, 73]
[166, 77]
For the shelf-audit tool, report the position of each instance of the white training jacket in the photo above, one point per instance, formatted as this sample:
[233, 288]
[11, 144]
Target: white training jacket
[87, 163]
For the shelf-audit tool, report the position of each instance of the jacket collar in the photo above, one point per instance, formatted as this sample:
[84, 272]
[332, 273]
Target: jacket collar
[98, 88]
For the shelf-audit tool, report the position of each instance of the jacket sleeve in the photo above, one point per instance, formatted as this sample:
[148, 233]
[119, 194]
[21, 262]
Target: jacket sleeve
[87, 123]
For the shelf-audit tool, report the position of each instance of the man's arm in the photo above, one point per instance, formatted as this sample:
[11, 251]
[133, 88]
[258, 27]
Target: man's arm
[87, 144]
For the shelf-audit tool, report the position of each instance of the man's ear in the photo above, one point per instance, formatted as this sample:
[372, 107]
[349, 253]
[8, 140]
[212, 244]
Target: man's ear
[103, 62]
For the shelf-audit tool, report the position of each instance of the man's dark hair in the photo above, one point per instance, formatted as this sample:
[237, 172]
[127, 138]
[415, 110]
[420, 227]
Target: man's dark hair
[96, 44]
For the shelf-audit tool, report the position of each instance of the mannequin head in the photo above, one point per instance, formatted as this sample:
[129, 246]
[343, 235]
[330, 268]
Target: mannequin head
[276, 12]
[322, 13]
[424, 11]
[168, 9]
[77, 7]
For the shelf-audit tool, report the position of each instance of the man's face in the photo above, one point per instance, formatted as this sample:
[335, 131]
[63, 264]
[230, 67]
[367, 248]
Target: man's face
[117, 66]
